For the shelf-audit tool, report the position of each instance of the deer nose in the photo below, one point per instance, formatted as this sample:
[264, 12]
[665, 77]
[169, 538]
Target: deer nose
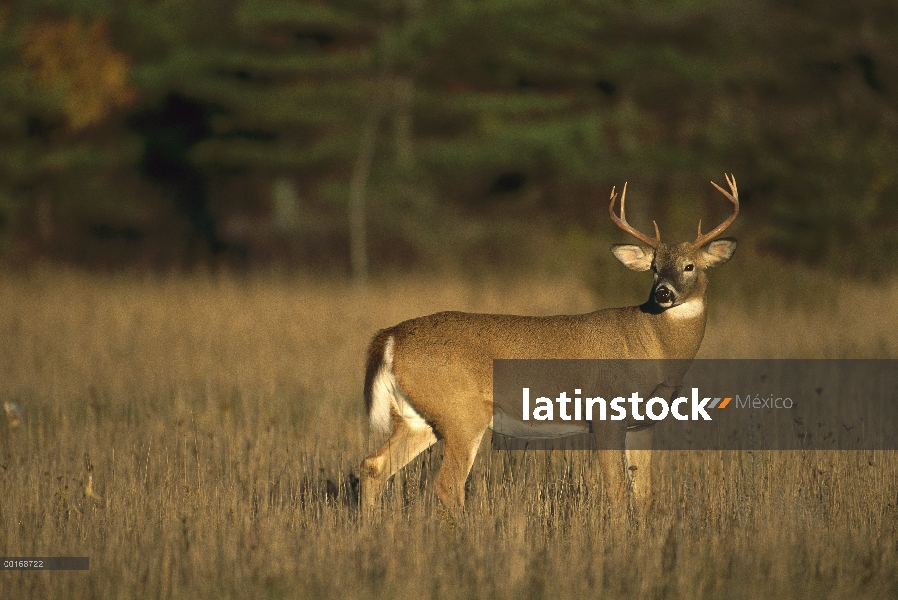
[663, 294]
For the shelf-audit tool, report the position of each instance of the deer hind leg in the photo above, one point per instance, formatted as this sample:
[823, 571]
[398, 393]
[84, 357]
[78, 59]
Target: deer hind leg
[409, 439]
[639, 468]
[458, 457]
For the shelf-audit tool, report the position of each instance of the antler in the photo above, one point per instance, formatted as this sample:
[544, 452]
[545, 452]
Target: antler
[622, 221]
[701, 240]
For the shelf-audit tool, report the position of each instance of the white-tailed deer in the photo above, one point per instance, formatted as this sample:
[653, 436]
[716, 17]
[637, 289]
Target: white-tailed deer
[431, 377]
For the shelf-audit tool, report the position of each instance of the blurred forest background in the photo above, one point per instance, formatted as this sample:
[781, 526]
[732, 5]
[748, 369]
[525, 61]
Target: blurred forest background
[182, 398]
[373, 136]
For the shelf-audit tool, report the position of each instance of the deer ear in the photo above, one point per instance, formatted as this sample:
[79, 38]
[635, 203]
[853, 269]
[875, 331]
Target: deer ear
[719, 251]
[633, 256]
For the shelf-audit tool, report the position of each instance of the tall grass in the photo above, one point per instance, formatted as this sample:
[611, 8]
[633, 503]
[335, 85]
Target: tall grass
[219, 422]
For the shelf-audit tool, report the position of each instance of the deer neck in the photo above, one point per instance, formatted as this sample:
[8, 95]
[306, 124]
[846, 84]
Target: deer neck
[681, 328]
[691, 310]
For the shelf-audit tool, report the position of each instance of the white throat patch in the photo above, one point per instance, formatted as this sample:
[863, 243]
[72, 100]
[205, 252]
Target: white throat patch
[687, 310]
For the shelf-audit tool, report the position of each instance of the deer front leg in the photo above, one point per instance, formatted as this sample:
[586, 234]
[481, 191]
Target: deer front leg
[639, 470]
[610, 438]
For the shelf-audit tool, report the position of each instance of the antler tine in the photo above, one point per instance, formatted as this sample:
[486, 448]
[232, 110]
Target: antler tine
[701, 240]
[622, 221]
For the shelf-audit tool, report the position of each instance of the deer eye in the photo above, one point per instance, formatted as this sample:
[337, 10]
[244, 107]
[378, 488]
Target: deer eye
[688, 267]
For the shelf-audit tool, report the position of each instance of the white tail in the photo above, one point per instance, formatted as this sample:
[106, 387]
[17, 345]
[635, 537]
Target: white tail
[383, 390]
[432, 376]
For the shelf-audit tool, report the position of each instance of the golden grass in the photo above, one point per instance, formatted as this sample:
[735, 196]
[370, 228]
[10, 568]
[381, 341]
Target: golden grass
[220, 419]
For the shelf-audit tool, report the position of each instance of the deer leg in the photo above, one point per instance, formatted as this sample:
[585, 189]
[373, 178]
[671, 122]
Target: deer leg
[458, 457]
[639, 469]
[614, 479]
[611, 438]
[406, 442]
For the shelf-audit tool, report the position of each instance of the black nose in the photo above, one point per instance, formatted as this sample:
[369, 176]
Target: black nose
[663, 294]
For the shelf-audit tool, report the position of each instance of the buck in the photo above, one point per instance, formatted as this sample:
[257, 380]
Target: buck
[430, 378]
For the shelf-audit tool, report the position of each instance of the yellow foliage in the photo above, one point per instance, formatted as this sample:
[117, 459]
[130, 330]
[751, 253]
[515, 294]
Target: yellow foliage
[77, 62]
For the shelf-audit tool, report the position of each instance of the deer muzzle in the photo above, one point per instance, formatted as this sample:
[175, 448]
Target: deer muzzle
[664, 295]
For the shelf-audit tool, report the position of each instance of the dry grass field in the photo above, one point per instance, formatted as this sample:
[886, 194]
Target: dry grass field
[197, 437]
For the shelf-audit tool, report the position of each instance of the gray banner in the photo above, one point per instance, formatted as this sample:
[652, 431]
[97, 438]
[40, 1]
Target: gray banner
[45, 563]
[762, 404]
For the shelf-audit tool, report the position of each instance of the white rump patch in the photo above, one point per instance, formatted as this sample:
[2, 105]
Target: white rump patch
[516, 428]
[687, 310]
[387, 397]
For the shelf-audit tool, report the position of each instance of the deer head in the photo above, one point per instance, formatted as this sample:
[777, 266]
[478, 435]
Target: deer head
[678, 269]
